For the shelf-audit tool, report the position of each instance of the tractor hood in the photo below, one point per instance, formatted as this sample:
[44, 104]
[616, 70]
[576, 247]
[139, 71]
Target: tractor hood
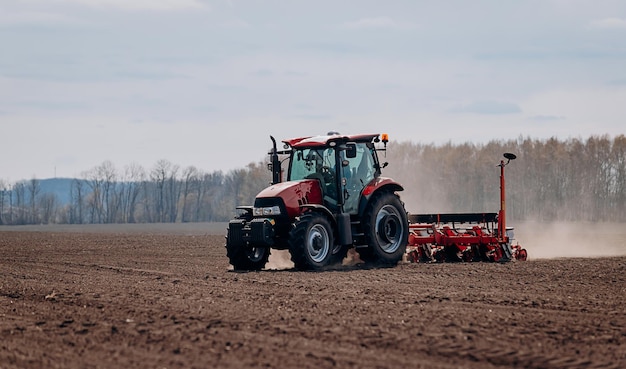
[293, 194]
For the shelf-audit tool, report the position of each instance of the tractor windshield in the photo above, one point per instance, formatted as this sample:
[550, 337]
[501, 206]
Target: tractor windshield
[316, 163]
[306, 163]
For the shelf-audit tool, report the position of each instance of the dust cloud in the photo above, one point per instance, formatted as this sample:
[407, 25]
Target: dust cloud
[541, 240]
[570, 239]
[279, 259]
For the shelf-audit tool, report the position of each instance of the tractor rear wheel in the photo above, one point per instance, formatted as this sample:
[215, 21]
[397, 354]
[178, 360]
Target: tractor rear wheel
[311, 242]
[386, 230]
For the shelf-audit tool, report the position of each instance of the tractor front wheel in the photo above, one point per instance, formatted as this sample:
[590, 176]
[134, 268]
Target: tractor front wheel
[386, 230]
[311, 242]
[242, 256]
[246, 257]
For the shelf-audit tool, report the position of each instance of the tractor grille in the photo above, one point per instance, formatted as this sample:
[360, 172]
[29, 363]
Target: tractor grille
[282, 222]
[262, 232]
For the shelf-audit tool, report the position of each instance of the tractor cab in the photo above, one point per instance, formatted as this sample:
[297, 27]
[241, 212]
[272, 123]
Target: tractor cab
[358, 167]
[343, 166]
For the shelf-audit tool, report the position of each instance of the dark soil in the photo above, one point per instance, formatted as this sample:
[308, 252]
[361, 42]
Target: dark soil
[169, 300]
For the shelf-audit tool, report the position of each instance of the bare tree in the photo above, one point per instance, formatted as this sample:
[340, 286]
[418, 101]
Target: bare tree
[208, 192]
[48, 205]
[618, 154]
[130, 188]
[190, 182]
[102, 204]
[19, 190]
[33, 191]
[5, 192]
[167, 191]
[77, 202]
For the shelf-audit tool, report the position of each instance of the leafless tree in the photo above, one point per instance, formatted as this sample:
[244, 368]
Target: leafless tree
[48, 205]
[209, 190]
[102, 205]
[77, 202]
[129, 190]
[33, 191]
[19, 190]
[5, 192]
[167, 191]
[618, 155]
[191, 180]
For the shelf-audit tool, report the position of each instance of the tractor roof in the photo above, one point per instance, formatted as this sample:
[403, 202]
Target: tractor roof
[324, 141]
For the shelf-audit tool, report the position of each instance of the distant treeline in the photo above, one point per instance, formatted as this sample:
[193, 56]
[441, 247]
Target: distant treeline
[574, 179]
[164, 194]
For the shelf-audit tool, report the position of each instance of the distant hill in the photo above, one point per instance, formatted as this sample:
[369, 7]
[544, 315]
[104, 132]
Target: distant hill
[59, 186]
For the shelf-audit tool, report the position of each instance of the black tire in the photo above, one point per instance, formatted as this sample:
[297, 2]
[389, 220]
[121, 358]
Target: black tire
[338, 254]
[243, 257]
[311, 242]
[386, 230]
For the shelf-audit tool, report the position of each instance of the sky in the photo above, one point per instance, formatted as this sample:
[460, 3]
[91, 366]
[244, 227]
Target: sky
[204, 83]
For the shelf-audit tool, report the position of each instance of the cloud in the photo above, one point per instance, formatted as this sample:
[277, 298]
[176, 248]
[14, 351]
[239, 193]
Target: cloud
[378, 23]
[332, 47]
[617, 82]
[38, 19]
[546, 118]
[235, 24]
[52, 13]
[608, 23]
[158, 5]
[313, 116]
[47, 105]
[488, 107]
[65, 70]
[263, 72]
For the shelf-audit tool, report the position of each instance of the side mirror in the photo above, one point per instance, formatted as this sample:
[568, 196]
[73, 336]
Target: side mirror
[351, 150]
[510, 156]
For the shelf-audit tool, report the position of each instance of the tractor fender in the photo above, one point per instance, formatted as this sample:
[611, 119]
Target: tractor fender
[375, 186]
[320, 209]
[340, 222]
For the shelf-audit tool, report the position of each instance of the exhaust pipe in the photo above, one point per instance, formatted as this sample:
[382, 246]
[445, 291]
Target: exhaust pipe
[276, 169]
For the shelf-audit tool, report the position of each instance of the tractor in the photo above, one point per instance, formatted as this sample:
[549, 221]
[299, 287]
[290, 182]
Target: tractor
[334, 198]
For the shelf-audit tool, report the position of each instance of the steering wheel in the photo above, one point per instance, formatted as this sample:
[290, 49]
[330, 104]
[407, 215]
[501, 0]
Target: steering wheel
[328, 174]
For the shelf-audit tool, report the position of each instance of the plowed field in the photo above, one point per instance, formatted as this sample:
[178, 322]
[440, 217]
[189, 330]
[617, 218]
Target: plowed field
[166, 299]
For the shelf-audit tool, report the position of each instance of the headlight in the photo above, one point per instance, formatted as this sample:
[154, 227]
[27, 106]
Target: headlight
[268, 211]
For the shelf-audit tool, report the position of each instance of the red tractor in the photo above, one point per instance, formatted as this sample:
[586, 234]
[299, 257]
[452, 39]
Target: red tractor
[334, 198]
